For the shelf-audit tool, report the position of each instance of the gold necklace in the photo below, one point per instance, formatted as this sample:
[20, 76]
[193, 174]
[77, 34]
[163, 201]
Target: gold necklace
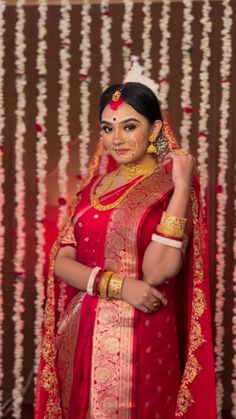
[131, 170]
[96, 196]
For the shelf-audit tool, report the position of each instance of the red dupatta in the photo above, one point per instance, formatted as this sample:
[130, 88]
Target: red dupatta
[197, 389]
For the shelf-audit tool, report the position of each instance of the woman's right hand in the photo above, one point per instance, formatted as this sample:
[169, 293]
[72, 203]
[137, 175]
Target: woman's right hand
[141, 295]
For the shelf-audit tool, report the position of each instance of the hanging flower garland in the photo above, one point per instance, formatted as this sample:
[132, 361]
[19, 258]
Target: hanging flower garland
[222, 195]
[63, 124]
[233, 380]
[85, 48]
[105, 44]
[186, 81]
[204, 98]
[105, 47]
[63, 108]
[126, 34]
[2, 180]
[19, 256]
[41, 162]
[146, 37]
[164, 54]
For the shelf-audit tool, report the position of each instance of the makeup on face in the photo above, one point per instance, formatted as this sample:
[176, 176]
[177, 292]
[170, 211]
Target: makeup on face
[125, 133]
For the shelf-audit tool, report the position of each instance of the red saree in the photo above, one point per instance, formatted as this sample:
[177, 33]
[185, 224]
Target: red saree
[105, 359]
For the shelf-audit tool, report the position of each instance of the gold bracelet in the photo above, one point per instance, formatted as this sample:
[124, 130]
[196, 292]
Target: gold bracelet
[103, 284]
[115, 286]
[171, 226]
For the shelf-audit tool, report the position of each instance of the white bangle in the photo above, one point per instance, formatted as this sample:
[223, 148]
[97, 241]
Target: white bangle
[166, 241]
[92, 277]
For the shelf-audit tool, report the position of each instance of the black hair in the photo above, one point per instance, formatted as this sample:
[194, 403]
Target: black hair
[137, 95]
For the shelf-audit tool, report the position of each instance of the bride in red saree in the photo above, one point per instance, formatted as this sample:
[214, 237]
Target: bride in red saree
[148, 354]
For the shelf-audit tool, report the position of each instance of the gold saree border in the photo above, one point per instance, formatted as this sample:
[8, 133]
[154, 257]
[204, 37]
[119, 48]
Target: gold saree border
[196, 338]
[48, 379]
[66, 339]
[112, 358]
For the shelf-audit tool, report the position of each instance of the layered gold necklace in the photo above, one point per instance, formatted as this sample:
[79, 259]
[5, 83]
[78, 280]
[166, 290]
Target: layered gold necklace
[129, 171]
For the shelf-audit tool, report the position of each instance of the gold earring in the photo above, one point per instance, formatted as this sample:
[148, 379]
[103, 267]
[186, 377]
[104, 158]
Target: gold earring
[151, 148]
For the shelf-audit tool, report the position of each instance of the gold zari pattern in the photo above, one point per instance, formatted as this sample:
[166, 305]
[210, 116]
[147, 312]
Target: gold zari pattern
[48, 379]
[112, 362]
[196, 338]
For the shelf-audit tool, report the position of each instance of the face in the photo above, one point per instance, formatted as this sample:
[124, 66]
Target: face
[125, 133]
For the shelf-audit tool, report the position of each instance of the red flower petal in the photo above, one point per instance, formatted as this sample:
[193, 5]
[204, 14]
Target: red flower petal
[61, 201]
[38, 127]
[188, 110]
[219, 188]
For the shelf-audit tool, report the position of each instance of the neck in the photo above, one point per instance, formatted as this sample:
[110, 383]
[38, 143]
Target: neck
[145, 160]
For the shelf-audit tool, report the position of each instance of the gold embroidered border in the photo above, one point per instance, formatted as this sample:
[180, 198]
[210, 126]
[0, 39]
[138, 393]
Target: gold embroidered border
[66, 340]
[112, 359]
[196, 338]
[48, 378]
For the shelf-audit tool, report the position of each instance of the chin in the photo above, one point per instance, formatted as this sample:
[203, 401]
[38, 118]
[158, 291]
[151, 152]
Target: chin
[124, 159]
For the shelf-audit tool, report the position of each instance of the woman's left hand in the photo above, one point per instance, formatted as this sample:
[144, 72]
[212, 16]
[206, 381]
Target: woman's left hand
[182, 167]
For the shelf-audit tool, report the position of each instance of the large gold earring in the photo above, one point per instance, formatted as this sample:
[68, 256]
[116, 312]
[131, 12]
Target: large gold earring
[151, 148]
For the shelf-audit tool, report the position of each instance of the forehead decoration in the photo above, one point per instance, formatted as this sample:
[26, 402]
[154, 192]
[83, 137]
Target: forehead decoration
[116, 100]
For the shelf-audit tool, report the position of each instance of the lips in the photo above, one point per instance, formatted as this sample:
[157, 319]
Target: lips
[122, 151]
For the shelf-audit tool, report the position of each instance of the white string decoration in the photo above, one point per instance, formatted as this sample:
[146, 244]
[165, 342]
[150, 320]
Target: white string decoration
[186, 81]
[2, 180]
[63, 124]
[41, 171]
[63, 108]
[146, 37]
[164, 55]
[105, 44]
[126, 33]
[225, 67]
[204, 105]
[19, 257]
[85, 48]
[105, 47]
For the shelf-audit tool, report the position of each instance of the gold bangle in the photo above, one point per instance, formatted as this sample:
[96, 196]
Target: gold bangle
[115, 286]
[103, 284]
[171, 226]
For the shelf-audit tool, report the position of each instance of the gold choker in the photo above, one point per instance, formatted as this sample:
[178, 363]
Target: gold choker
[132, 170]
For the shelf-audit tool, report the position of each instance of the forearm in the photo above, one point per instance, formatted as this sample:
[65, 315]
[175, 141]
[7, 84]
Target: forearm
[72, 272]
[162, 262]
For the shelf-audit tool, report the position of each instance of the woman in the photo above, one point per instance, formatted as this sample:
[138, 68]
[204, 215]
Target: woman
[135, 338]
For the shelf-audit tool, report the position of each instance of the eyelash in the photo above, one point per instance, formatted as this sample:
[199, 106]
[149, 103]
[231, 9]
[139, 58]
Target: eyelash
[108, 129]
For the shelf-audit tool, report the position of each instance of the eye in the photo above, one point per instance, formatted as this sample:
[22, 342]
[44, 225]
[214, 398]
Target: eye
[106, 129]
[129, 127]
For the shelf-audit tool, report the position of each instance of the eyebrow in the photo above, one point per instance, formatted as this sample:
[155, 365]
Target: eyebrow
[122, 122]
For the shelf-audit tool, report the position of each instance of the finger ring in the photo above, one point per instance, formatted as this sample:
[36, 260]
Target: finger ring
[156, 304]
[181, 151]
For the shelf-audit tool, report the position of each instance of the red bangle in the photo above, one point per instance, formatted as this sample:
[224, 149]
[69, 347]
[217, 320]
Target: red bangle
[96, 282]
[169, 237]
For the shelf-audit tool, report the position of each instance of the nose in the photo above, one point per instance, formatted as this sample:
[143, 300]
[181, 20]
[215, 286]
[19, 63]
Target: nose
[117, 137]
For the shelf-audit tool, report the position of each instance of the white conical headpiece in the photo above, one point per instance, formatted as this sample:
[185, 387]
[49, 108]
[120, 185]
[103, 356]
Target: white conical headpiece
[136, 75]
